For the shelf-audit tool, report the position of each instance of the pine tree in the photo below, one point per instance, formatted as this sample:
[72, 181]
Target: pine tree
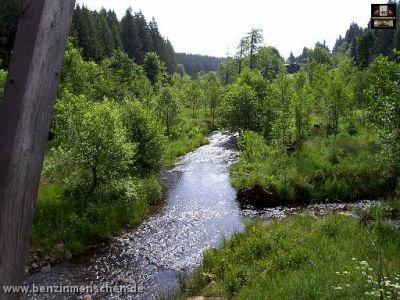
[158, 42]
[291, 59]
[104, 33]
[242, 48]
[303, 57]
[130, 36]
[384, 41]
[115, 28]
[169, 57]
[144, 34]
[163, 47]
[85, 34]
[352, 33]
[337, 49]
[364, 48]
[255, 37]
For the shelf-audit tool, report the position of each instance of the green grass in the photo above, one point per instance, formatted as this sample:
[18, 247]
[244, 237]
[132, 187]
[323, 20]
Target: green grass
[346, 168]
[79, 222]
[181, 146]
[300, 258]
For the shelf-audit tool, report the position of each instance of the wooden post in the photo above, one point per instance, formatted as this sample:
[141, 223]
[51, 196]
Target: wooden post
[25, 115]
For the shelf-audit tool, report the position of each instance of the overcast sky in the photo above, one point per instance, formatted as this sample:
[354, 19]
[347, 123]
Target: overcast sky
[214, 27]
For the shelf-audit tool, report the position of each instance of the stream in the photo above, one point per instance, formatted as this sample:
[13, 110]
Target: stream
[147, 263]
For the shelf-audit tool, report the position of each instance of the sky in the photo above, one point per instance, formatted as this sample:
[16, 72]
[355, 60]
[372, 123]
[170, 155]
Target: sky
[214, 27]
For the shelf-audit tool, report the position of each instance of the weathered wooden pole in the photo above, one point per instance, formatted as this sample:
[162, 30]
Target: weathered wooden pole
[25, 115]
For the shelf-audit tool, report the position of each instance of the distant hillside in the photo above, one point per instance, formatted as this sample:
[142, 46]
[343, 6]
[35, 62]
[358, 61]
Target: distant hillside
[193, 63]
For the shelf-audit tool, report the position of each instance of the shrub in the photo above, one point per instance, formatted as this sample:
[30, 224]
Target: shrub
[147, 133]
[92, 138]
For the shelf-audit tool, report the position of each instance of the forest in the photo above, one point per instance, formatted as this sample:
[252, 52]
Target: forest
[194, 63]
[328, 133]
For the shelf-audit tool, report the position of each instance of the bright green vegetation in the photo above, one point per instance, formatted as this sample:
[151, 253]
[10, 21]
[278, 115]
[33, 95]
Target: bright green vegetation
[322, 169]
[184, 144]
[329, 131]
[124, 110]
[81, 221]
[122, 113]
[303, 258]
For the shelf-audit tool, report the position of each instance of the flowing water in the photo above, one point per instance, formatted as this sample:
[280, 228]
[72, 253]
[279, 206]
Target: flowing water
[200, 210]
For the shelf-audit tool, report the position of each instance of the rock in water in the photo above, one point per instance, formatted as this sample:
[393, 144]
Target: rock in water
[257, 196]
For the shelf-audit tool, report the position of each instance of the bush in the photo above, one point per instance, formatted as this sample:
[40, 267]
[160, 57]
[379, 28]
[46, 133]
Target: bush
[143, 130]
[240, 108]
[92, 138]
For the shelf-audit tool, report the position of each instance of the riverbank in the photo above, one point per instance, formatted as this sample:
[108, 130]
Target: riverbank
[347, 168]
[63, 228]
[334, 257]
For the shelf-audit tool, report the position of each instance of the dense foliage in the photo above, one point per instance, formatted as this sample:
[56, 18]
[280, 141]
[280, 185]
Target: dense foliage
[98, 34]
[329, 132]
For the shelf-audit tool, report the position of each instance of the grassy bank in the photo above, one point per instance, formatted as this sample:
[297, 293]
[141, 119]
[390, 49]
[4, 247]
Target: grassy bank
[303, 258]
[189, 138]
[80, 222]
[345, 167]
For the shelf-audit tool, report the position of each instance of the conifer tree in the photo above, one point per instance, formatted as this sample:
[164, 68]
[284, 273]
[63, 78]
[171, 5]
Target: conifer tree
[144, 35]
[130, 36]
[115, 28]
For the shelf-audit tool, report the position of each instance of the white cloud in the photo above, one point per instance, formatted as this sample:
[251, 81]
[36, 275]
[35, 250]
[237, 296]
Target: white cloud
[212, 26]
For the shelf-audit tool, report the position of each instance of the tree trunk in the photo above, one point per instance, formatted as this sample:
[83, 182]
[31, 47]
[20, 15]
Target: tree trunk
[25, 115]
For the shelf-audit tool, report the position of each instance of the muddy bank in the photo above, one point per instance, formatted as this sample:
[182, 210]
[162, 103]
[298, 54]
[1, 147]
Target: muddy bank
[260, 197]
